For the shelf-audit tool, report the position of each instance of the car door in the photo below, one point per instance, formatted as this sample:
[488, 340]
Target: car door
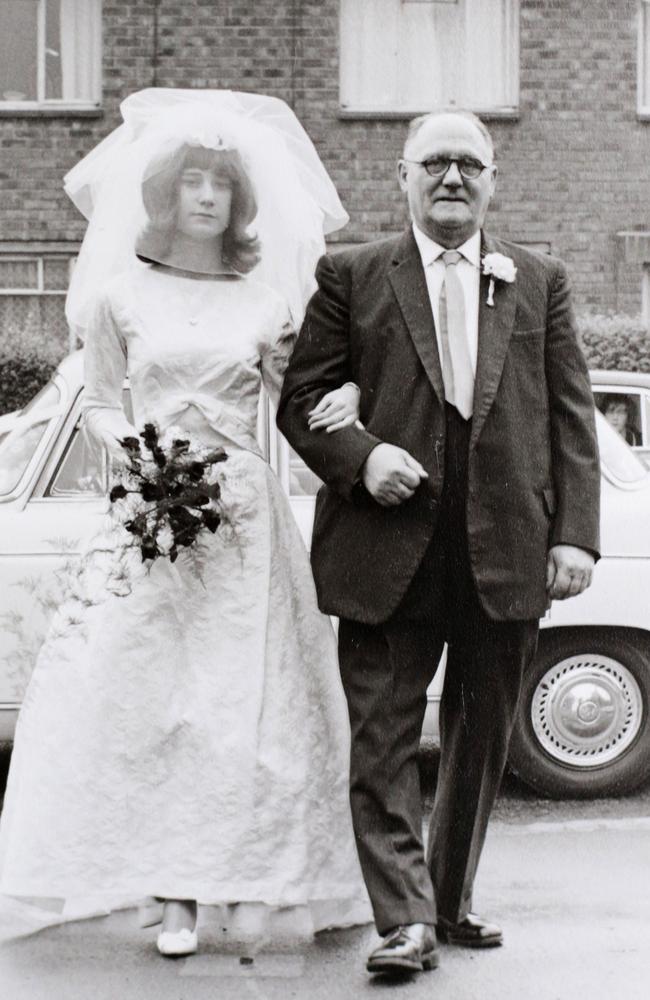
[44, 527]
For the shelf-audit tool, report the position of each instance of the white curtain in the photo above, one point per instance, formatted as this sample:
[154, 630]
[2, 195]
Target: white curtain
[429, 47]
[368, 50]
[401, 55]
[491, 53]
[79, 20]
[18, 62]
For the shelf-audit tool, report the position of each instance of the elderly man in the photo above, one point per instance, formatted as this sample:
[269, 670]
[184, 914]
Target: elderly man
[464, 504]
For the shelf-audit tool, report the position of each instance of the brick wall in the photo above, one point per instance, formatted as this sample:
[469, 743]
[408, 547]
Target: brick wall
[573, 165]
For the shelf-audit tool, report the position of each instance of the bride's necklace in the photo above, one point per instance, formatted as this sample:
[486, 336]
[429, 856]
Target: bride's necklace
[197, 300]
[196, 297]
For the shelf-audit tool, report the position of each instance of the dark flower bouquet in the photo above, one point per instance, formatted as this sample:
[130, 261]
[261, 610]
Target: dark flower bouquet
[168, 492]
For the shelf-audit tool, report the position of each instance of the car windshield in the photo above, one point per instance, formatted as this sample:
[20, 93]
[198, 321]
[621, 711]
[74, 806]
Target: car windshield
[617, 459]
[21, 433]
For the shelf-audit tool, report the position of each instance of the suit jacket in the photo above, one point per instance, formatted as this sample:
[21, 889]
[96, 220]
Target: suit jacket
[533, 478]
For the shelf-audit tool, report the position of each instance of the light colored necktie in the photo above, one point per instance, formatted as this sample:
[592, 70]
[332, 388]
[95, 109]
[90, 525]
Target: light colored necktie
[457, 373]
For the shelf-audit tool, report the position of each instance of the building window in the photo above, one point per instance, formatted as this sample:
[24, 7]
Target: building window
[409, 56]
[32, 298]
[50, 53]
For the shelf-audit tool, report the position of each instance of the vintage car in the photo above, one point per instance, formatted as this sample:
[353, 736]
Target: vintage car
[584, 725]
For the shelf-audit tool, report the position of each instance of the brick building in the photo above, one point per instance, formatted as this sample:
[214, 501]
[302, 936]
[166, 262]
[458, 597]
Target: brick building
[563, 85]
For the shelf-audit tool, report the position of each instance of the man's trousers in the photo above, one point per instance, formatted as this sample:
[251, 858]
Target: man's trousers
[386, 670]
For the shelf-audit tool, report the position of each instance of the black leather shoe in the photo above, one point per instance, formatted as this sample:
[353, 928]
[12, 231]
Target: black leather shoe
[472, 932]
[408, 948]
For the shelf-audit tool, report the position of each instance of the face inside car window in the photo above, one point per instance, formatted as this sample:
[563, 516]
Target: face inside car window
[622, 411]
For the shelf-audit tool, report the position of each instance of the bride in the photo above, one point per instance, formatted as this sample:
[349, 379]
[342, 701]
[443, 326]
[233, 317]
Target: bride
[190, 741]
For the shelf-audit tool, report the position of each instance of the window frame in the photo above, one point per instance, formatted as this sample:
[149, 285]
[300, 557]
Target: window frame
[354, 110]
[29, 257]
[39, 255]
[43, 103]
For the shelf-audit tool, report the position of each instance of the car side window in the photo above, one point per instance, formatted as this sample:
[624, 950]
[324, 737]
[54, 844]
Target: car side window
[302, 482]
[21, 434]
[82, 470]
[297, 480]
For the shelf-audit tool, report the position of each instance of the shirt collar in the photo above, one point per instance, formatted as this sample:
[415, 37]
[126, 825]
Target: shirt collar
[430, 250]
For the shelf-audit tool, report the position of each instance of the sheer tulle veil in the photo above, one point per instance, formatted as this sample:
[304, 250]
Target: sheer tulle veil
[297, 202]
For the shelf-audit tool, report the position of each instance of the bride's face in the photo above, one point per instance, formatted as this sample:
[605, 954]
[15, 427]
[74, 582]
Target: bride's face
[204, 200]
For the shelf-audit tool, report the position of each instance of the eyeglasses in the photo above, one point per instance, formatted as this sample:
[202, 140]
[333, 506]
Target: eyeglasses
[437, 166]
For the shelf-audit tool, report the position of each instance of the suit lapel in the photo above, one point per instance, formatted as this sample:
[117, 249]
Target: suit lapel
[495, 325]
[409, 283]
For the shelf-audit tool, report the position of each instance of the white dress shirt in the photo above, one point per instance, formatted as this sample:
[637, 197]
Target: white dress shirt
[469, 272]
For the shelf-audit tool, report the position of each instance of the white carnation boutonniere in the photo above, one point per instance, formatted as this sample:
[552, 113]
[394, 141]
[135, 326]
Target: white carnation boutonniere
[499, 268]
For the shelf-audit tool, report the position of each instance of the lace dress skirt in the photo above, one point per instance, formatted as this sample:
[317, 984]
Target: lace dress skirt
[191, 740]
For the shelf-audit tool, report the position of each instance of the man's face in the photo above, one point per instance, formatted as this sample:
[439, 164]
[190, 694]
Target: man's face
[449, 208]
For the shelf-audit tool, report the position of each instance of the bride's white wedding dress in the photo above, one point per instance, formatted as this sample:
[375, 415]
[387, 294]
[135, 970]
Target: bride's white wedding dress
[191, 740]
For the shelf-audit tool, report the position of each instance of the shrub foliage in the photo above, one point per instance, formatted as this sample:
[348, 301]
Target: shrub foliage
[615, 341]
[27, 361]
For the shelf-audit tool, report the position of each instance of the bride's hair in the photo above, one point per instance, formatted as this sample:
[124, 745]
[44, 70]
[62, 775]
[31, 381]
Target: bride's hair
[160, 196]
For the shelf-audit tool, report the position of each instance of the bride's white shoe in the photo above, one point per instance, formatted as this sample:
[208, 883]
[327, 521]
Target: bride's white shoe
[183, 941]
[173, 944]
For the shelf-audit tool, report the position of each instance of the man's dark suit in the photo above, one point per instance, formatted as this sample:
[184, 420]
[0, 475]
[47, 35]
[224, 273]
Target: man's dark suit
[467, 551]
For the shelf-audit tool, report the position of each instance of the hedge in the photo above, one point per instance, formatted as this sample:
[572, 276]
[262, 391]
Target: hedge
[26, 363]
[613, 340]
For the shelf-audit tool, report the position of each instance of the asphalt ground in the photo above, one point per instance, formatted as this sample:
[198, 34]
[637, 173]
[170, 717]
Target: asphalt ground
[569, 882]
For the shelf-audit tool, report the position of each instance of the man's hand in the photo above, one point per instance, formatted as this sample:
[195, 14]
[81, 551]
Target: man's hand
[391, 475]
[568, 571]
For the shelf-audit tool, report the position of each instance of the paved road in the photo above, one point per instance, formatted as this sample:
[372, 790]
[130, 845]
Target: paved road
[570, 883]
[573, 897]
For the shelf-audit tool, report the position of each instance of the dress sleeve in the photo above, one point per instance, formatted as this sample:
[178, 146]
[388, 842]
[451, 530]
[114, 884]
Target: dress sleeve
[276, 351]
[105, 357]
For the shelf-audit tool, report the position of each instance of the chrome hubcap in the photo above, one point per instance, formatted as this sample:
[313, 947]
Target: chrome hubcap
[587, 710]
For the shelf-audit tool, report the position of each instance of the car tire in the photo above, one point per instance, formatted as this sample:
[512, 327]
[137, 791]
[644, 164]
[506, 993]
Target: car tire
[583, 726]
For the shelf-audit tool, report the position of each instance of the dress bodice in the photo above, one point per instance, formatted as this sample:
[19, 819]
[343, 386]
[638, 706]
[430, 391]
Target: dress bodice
[196, 353]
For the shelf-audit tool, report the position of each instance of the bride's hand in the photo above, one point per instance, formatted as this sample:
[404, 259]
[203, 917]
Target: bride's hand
[117, 458]
[117, 455]
[337, 409]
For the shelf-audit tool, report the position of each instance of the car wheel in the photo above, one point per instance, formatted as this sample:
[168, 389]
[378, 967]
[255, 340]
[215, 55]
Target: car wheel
[583, 727]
